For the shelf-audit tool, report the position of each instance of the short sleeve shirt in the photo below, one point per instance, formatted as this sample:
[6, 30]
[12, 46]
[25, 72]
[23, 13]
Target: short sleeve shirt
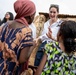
[13, 40]
[58, 62]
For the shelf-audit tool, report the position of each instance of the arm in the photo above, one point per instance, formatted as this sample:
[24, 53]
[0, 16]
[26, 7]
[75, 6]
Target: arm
[41, 66]
[25, 53]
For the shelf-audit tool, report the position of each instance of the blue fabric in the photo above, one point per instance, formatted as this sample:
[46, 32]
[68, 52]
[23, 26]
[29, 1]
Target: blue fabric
[13, 40]
[39, 54]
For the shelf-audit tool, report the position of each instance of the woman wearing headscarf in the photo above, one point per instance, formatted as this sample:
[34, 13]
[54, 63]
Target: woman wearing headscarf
[16, 42]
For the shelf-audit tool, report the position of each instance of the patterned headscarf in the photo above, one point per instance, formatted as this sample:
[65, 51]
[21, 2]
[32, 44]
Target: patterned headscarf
[24, 8]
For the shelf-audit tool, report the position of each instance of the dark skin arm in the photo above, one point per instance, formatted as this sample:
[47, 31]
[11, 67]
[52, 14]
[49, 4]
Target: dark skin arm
[25, 53]
[41, 66]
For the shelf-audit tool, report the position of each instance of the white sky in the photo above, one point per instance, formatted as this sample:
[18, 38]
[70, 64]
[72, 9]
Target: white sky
[66, 6]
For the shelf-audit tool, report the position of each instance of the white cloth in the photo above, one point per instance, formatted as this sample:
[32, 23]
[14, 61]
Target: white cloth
[54, 28]
[33, 28]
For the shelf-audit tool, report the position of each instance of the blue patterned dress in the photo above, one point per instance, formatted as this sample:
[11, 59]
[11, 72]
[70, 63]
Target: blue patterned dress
[12, 41]
[58, 62]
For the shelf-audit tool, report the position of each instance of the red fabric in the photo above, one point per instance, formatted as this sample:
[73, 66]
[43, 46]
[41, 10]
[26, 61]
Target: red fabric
[24, 8]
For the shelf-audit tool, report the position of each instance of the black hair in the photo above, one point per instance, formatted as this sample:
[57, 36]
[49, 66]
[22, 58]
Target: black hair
[5, 20]
[11, 16]
[68, 32]
[55, 6]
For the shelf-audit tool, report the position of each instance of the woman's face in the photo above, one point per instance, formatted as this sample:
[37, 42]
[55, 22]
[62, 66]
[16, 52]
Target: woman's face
[7, 15]
[31, 18]
[53, 13]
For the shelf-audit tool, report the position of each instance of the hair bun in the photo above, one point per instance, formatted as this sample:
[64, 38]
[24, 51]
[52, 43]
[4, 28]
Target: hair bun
[70, 44]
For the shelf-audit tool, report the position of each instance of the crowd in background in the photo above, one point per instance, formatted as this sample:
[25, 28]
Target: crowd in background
[32, 45]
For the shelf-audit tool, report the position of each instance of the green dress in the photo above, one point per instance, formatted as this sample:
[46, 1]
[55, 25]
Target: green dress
[58, 62]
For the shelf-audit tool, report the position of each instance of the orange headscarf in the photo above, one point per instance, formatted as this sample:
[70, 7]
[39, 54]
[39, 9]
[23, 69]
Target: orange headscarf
[24, 8]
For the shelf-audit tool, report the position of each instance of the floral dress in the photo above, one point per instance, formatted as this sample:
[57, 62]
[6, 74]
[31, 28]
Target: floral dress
[58, 62]
[12, 41]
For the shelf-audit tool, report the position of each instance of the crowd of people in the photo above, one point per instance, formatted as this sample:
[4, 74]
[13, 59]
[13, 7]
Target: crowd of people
[56, 54]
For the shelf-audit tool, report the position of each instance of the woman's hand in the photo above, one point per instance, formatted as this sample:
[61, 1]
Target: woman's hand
[37, 40]
[49, 34]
